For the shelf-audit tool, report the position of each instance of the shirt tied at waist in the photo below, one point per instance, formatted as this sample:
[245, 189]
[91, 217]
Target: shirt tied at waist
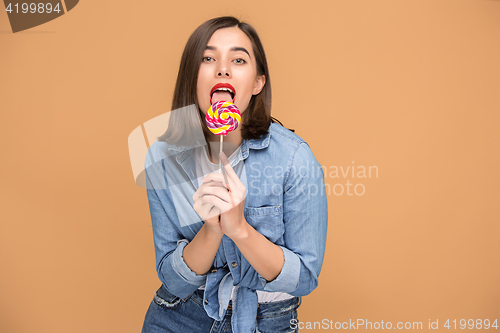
[218, 289]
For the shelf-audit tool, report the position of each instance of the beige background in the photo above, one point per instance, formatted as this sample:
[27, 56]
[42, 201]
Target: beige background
[411, 87]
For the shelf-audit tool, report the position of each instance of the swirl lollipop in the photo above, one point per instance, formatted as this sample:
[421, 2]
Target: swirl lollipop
[222, 117]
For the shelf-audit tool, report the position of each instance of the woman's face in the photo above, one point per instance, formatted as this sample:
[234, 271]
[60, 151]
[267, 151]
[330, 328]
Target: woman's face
[228, 70]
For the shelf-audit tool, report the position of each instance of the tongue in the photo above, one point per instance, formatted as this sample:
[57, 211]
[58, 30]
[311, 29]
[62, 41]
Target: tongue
[221, 96]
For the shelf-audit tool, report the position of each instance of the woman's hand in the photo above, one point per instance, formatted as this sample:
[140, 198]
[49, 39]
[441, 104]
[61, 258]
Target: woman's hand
[206, 210]
[227, 195]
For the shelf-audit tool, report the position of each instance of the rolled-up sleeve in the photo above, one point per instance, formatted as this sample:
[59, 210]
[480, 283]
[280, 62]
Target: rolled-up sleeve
[305, 218]
[181, 268]
[169, 243]
[287, 280]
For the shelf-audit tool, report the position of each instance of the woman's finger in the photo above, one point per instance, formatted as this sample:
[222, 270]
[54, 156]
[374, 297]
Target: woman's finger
[202, 189]
[220, 192]
[210, 195]
[224, 193]
[212, 213]
[220, 180]
[224, 206]
[214, 177]
[205, 210]
[212, 187]
[230, 172]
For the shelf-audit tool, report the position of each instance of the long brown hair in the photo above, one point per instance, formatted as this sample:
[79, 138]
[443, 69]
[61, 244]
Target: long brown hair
[255, 119]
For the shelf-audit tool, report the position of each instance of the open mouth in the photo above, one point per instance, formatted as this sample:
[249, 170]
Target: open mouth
[222, 92]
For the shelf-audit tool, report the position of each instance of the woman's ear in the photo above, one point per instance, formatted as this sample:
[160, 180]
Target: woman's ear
[259, 84]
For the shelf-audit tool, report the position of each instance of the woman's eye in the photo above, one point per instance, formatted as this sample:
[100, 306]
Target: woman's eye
[239, 61]
[207, 59]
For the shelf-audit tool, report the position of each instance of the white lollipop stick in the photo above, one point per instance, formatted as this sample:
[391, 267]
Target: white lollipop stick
[220, 167]
[220, 151]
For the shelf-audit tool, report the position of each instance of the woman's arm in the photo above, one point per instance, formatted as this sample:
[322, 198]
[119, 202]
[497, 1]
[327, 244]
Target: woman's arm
[305, 218]
[265, 257]
[199, 254]
[227, 194]
[169, 242]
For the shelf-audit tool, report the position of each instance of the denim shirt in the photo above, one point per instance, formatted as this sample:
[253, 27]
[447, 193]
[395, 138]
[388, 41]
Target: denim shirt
[285, 201]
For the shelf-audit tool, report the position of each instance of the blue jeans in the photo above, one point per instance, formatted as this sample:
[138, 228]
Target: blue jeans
[169, 313]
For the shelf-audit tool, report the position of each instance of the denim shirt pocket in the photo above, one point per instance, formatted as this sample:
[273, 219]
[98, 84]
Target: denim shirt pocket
[268, 220]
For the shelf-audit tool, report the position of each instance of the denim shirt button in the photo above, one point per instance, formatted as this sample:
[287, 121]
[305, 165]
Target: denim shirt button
[206, 301]
[214, 270]
[234, 265]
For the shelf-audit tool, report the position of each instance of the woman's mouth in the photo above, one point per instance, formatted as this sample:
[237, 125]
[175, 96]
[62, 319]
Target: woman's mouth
[222, 92]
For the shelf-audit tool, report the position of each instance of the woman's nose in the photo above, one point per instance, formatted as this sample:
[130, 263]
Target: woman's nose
[223, 71]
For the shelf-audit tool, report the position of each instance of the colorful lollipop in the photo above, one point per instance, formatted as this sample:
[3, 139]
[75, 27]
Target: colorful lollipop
[222, 117]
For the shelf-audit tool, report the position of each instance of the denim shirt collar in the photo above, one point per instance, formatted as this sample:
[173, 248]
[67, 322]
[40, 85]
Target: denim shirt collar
[262, 142]
[185, 157]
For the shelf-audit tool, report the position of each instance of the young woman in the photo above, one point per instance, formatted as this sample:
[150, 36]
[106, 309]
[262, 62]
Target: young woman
[235, 251]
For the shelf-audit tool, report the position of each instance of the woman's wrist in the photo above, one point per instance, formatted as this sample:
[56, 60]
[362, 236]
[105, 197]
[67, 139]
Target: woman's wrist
[199, 254]
[211, 234]
[242, 233]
